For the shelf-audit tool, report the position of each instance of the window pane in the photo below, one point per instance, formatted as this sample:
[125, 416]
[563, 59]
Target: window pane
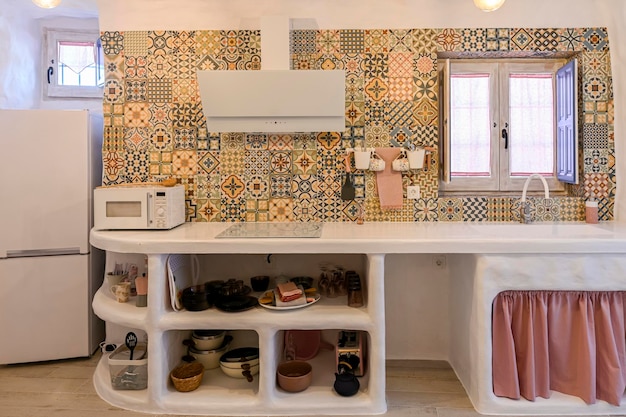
[531, 124]
[469, 122]
[76, 64]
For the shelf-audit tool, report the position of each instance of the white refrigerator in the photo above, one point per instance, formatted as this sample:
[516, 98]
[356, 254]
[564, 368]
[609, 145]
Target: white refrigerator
[50, 163]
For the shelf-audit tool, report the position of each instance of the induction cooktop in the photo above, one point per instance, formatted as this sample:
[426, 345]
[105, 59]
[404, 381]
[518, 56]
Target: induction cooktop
[274, 230]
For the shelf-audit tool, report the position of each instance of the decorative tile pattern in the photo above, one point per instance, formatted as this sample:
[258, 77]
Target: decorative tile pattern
[596, 185]
[155, 128]
[596, 160]
[376, 41]
[500, 210]
[475, 209]
[498, 39]
[352, 41]
[595, 136]
[449, 40]
[450, 209]
[257, 187]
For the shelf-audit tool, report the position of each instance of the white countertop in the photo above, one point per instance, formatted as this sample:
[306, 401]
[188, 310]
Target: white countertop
[420, 237]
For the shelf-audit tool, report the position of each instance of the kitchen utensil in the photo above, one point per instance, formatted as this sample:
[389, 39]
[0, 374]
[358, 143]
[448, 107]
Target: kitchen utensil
[362, 158]
[260, 282]
[236, 303]
[245, 370]
[377, 163]
[121, 291]
[294, 375]
[241, 363]
[131, 343]
[211, 358]
[241, 354]
[346, 384]
[304, 344]
[347, 190]
[195, 298]
[208, 339]
[416, 158]
[401, 163]
[304, 282]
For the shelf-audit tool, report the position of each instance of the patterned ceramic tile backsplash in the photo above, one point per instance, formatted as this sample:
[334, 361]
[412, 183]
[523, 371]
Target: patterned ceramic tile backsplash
[154, 126]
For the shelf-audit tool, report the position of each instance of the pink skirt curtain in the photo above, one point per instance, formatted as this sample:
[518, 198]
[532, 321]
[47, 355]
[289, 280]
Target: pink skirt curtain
[573, 342]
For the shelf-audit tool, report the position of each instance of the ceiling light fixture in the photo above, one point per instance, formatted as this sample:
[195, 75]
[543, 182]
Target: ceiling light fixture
[47, 4]
[489, 5]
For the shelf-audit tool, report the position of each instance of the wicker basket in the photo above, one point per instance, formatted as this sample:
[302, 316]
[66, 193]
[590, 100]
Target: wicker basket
[188, 376]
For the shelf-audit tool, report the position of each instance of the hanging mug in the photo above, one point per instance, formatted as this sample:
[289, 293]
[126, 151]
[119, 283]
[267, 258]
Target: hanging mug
[416, 158]
[401, 163]
[376, 163]
[362, 159]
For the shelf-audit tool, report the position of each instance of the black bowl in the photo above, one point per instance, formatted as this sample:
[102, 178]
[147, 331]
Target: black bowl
[260, 282]
[194, 298]
[305, 282]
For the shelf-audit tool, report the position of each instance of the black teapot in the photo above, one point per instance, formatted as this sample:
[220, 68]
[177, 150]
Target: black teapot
[346, 384]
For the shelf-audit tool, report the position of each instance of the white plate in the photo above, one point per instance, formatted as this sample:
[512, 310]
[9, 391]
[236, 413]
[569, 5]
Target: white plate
[293, 307]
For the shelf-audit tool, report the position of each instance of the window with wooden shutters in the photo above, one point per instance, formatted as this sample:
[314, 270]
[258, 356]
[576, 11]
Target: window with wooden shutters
[499, 124]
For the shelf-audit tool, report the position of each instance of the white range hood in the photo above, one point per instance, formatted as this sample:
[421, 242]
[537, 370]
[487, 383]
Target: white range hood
[274, 99]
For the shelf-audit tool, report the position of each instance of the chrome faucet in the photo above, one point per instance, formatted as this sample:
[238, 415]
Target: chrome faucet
[525, 215]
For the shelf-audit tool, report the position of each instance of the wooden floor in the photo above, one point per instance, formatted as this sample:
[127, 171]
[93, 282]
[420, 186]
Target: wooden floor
[65, 389]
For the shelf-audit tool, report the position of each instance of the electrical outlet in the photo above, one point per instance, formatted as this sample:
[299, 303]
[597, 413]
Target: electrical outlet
[413, 192]
[439, 261]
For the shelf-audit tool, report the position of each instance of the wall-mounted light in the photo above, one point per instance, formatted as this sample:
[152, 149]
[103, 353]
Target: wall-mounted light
[47, 4]
[488, 5]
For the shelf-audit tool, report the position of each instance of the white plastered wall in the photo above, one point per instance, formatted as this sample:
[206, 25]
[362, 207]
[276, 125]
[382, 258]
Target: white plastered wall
[22, 71]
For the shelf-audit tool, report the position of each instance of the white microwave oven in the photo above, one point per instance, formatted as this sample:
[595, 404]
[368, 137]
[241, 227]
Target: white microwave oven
[138, 207]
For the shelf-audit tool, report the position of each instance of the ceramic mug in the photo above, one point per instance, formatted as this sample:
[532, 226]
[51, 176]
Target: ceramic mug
[114, 279]
[416, 158]
[376, 163]
[121, 291]
[362, 159]
[401, 163]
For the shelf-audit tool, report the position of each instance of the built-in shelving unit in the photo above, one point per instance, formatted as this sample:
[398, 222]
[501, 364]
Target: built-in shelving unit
[222, 395]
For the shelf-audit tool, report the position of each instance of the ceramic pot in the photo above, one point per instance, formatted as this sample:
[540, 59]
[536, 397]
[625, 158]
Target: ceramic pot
[294, 376]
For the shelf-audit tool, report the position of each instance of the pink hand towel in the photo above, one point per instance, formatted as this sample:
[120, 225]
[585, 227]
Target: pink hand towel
[389, 182]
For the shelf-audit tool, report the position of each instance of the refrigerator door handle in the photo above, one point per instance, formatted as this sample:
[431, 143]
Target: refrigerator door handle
[42, 252]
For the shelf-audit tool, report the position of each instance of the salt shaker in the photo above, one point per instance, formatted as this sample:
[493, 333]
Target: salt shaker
[591, 211]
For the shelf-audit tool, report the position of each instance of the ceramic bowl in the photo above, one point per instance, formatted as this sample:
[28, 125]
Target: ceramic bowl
[260, 282]
[294, 376]
[194, 298]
